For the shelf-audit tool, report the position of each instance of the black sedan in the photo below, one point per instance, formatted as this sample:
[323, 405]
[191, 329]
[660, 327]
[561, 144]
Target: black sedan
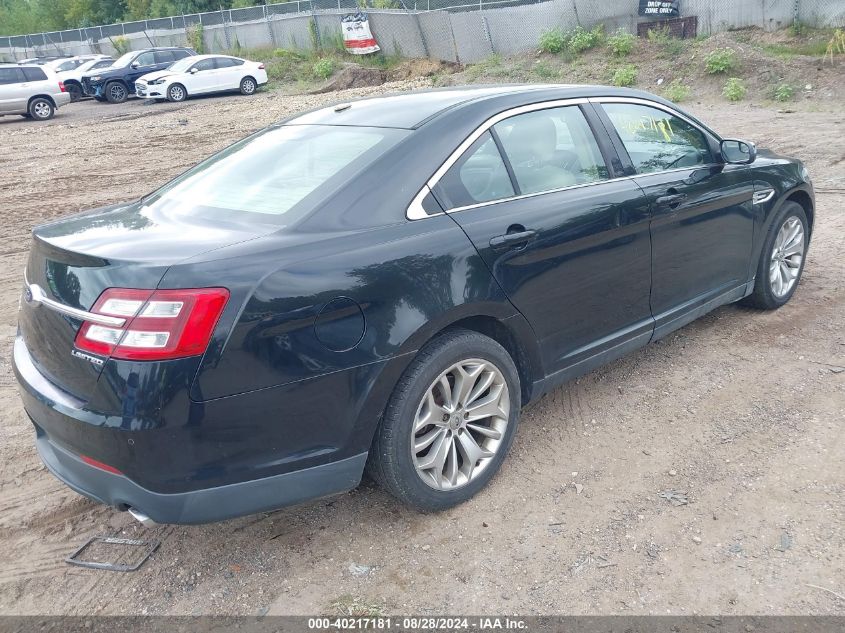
[383, 284]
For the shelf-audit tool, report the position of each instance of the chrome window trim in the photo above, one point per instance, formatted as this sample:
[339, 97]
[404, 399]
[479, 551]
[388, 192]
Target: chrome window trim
[415, 210]
[39, 297]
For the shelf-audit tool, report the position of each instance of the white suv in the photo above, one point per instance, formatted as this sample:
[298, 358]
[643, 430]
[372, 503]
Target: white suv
[31, 91]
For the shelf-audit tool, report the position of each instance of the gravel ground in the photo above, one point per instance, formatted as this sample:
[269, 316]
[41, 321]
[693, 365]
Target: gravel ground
[741, 410]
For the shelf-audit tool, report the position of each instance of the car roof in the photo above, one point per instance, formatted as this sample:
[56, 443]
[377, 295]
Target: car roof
[412, 110]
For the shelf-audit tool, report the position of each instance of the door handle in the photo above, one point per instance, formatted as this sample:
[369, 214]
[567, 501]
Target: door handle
[509, 240]
[671, 200]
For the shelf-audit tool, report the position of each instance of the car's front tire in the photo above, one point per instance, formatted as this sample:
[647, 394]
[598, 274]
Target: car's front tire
[782, 258]
[177, 93]
[449, 423]
[248, 86]
[116, 92]
[41, 109]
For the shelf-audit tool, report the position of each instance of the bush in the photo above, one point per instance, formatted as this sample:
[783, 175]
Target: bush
[625, 76]
[720, 61]
[677, 92]
[121, 45]
[193, 34]
[621, 43]
[659, 36]
[323, 69]
[553, 41]
[582, 40]
[734, 89]
[783, 92]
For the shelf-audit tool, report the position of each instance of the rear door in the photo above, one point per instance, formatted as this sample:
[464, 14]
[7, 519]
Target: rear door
[702, 222]
[567, 241]
[229, 73]
[13, 90]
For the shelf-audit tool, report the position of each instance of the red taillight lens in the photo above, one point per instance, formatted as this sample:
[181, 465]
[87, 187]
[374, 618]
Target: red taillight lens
[93, 462]
[160, 324]
[62, 86]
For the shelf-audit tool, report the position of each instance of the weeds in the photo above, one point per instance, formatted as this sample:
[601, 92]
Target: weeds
[553, 41]
[583, 40]
[734, 89]
[677, 91]
[544, 71]
[625, 76]
[323, 69]
[621, 43]
[783, 92]
[720, 61]
[835, 45]
[121, 45]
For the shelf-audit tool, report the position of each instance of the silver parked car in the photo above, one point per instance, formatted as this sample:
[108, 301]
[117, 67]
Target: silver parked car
[31, 90]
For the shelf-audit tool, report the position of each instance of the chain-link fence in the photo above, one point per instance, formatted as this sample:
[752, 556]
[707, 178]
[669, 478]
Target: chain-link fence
[451, 30]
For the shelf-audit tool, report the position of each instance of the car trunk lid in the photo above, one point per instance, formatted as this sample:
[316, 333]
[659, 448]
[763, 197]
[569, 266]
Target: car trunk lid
[73, 261]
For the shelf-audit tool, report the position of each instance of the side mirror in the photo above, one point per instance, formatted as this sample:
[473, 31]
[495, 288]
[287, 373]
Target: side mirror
[134, 65]
[194, 71]
[737, 152]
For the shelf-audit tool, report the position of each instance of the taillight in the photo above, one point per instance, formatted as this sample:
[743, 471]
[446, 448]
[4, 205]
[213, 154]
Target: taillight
[62, 86]
[160, 324]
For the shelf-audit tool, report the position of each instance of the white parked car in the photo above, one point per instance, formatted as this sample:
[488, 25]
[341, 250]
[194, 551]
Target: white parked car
[202, 74]
[72, 75]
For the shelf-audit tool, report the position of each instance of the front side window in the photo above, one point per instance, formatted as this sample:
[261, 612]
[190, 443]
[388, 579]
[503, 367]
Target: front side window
[551, 149]
[479, 175]
[656, 140]
[146, 59]
[268, 175]
[204, 64]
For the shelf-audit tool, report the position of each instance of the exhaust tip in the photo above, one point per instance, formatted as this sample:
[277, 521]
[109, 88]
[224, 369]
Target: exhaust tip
[142, 518]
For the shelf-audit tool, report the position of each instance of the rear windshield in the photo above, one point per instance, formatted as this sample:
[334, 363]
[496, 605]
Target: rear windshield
[273, 174]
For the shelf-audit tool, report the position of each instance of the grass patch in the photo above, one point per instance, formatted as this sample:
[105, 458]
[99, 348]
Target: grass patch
[357, 607]
[734, 89]
[545, 71]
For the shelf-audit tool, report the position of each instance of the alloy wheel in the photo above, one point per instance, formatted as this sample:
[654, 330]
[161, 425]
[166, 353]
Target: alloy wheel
[248, 86]
[177, 93]
[787, 256]
[117, 92]
[42, 110]
[460, 423]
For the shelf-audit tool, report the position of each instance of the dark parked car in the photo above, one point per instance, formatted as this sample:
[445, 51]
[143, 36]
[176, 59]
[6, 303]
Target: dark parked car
[117, 82]
[412, 272]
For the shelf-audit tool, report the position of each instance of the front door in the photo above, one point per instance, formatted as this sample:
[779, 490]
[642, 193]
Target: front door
[702, 223]
[569, 246]
[204, 79]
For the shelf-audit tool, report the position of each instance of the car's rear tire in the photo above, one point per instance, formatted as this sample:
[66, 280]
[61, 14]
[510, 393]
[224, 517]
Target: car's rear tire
[431, 451]
[782, 258]
[74, 90]
[248, 86]
[177, 92]
[116, 92]
[41, 109]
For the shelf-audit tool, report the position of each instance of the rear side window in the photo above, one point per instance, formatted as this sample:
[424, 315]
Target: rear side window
[228, 62]
[181, 54]
[478, 176]
[551, 149]
[656, 140]
[164, 57]
[34, 74]
[102, 64]
[273, 173]
[10, 76]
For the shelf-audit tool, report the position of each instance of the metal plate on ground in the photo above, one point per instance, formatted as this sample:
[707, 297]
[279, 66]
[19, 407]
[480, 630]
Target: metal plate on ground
[123, 558]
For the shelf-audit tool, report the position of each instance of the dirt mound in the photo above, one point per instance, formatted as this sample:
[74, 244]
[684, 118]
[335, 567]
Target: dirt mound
[353, 76]
[413, 68]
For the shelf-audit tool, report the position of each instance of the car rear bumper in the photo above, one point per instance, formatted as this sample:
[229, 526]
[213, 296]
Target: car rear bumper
[200, 506]
[61, 99]
[69, 437]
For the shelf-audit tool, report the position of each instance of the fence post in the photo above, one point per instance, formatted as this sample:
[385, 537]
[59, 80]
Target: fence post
[225, 29]
[796, 12]
[269, 25]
